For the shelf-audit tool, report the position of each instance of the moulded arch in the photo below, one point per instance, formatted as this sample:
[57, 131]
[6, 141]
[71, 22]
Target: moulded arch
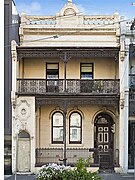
[23, 134]
[54, 111]
[75, 110]
[106, 111]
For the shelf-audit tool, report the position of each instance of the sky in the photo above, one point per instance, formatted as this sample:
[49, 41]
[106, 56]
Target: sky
[88, 7]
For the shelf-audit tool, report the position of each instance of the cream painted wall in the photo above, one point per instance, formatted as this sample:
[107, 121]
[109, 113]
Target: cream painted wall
[45, 126]
[33, 68]
[103, 68]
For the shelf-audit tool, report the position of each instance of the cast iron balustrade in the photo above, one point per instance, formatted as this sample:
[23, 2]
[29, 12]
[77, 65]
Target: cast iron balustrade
[73, 86]
[132, 81]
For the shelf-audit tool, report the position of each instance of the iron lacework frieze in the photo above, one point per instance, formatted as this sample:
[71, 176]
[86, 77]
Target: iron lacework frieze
[41, 52]
[75, 101]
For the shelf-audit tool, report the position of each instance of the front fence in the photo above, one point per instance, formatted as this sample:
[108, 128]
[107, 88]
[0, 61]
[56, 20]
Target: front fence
[55, 155]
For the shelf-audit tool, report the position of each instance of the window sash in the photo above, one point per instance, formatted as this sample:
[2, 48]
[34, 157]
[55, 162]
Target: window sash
[52, 71]
[75, 128]
[57, 134]
[86, 71]
[75, 134]
[57, 128]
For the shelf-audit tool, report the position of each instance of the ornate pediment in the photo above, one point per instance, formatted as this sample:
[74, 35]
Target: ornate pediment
[69, 9]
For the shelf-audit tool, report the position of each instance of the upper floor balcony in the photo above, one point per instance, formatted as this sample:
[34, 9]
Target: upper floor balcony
[68, 87]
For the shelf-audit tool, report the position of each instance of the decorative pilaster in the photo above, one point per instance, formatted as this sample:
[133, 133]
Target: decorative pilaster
[124, 107]
[14, 69]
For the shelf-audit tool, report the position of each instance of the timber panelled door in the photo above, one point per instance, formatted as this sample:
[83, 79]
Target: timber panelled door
[104, 141]
[23, 163]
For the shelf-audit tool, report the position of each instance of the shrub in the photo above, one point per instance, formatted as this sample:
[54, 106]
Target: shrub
[61, 172]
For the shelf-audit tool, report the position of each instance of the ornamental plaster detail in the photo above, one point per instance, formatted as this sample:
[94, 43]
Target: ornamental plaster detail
[69, 8]
[23, 110]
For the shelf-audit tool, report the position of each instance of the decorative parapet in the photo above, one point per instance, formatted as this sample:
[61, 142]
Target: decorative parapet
[94, 22]
[40, 20]
[98, 20]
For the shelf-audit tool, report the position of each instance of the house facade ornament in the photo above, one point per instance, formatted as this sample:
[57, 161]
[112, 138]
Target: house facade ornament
[23, 110]
[122, 55]
[69, 8]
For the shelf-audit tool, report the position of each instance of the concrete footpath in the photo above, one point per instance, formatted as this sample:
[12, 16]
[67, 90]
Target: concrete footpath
[105, 176]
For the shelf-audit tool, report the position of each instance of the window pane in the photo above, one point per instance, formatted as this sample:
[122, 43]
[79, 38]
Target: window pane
[75, 120]
[86, 76]
[57, 119]
[52, 76]
[87, 69]
[58, 134]
[52, 66]
[75, 134]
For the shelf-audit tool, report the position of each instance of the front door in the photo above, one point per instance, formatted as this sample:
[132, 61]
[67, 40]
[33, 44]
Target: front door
[23, 163]
[104, 141]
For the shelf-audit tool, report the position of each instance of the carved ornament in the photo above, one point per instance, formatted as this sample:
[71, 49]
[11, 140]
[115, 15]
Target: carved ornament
[23, 110]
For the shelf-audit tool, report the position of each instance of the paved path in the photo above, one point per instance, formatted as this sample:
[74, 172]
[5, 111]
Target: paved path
[21, 177]
[104, 176]
[115, 176]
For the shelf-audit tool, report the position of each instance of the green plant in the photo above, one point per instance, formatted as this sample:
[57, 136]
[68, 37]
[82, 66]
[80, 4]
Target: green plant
[57, 172]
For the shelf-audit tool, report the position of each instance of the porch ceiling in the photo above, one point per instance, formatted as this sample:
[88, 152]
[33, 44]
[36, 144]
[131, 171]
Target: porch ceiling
[41, 52]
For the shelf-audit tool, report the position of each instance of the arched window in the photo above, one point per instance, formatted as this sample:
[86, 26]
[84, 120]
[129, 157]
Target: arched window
[75, 128]
[57, 128]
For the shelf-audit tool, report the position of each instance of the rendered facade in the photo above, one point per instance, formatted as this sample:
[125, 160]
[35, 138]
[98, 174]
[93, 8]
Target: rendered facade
[70, 91]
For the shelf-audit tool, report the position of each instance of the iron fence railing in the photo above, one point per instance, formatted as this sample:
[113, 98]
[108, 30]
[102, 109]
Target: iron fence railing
[55, 155]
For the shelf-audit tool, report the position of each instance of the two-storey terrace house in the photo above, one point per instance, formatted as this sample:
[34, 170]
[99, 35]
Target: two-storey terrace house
[66, 96]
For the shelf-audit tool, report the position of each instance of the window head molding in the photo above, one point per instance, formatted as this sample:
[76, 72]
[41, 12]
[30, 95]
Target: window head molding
[75, 109]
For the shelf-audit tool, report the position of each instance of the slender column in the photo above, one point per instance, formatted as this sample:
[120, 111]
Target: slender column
[65, 59]
[65, 64]
[64, 134]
